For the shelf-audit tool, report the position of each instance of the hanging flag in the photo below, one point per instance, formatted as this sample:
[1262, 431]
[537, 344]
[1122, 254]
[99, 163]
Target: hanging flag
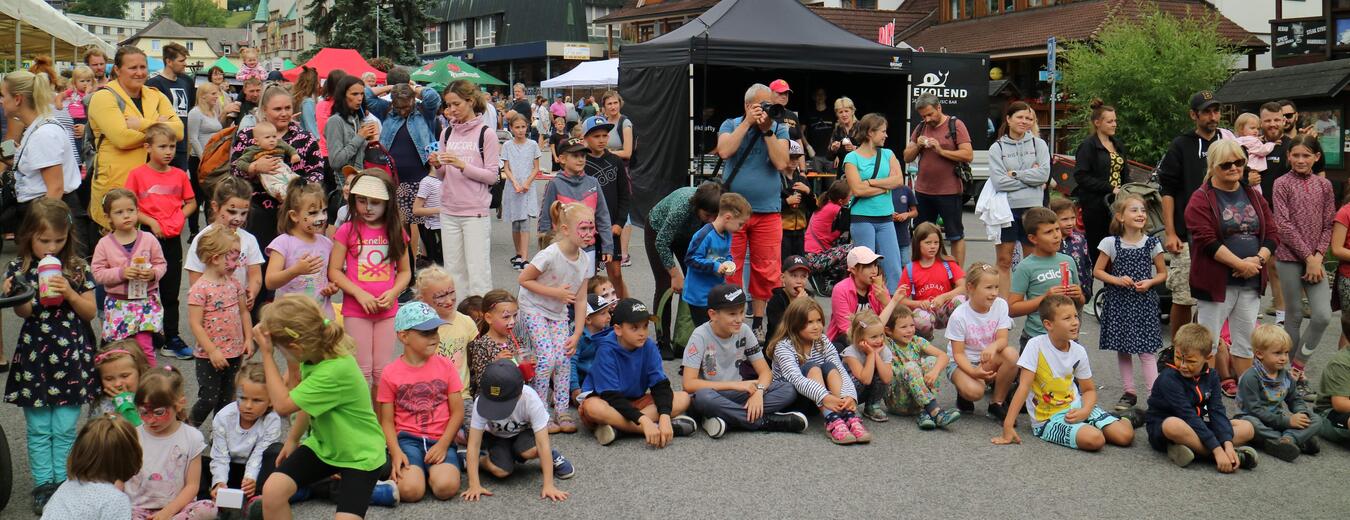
[886, 34]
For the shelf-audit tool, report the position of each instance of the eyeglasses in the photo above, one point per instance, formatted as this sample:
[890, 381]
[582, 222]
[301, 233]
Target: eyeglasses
[1288, 115]
[1230, 164]
[156, 413]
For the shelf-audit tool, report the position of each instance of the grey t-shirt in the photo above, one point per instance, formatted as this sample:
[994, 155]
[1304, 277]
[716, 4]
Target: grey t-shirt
[720, 359]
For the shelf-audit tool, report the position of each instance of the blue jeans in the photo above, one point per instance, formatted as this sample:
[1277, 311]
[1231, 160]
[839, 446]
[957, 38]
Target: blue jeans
[906, 257]
[881, 238]
[416, 448]
[51, 435]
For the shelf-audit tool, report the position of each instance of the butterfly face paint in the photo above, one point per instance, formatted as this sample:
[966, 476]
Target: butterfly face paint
[585, 232]
[231, 260]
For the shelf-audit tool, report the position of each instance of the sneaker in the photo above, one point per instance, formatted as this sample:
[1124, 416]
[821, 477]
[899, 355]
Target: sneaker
[385, 494]
[964, 406]
[1131, 414]
[1269, 309]
[715, 427]
[839, 432]
[627, 261]
[561, 467]
[553, 427]
[42, 494]
[1279, 317]
[790, 422]
[855, 426]
[684, 426]
[604, 433]
[515, 261]
[1180, 454]
[1229, 387]
[926, 421]
[1304, 390]
[945, 418]
[1285, 449]
[1311, 447]
[175, 347]
[566, 424]
[997, 411]
[1247, 457]
[875, 413]
[1127, 401]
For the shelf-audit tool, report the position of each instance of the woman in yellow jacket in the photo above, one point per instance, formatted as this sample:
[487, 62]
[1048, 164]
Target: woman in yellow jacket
[120, 132]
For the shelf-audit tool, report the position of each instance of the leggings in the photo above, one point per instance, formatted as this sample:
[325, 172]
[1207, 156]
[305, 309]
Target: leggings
[553, 371]
[215, 388]
[909, 393]
[51, 434]
[1126, 363]
[1319, 300]
[374, 344]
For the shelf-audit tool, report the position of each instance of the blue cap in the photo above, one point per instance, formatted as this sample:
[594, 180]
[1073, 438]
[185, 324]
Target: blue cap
[597, 123]
[417, 316]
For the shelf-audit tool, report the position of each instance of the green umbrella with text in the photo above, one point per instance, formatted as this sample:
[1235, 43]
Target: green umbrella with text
[449, 69]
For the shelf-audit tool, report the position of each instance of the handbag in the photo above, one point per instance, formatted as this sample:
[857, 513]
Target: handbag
[963, 171]
[844, 219]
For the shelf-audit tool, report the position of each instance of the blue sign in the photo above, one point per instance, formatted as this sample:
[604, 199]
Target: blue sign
[1050, 53]
[1045, 75]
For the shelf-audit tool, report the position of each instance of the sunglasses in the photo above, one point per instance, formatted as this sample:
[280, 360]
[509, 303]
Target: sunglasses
[1230, 164]
[1288, 115]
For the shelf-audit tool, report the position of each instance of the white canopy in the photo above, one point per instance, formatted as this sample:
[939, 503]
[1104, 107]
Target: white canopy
[588, 74]
[39, 28]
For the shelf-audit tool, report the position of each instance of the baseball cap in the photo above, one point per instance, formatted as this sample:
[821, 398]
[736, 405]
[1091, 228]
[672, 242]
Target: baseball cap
[499, 390]
[573, 145]
[416, 316]
[631, 310]
[370, 186]
[596, 303]
[558, 95]
[796, 262]
[779, 86]
[725, 296]
[597, 123]
[795, 148]
[862, 255]
[1202, 100]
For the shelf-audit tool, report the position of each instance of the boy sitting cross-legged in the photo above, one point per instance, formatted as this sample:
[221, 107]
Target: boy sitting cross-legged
[1283, 422]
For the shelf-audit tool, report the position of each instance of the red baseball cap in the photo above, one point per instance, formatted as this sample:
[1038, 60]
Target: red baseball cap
[779, 86]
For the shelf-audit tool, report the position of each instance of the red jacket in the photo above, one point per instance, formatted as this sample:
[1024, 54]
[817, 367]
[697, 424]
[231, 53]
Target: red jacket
[1209, 277]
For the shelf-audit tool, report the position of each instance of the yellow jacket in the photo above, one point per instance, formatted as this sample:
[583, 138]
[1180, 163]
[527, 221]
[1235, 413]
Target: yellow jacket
[122, 148]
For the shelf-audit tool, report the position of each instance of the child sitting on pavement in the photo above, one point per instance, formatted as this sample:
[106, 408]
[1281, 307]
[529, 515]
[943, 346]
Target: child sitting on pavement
[1266, 390]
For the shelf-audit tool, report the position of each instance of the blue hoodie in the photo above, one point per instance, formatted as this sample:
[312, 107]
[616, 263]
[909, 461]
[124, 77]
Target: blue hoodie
[1198, 401]
[585, 354]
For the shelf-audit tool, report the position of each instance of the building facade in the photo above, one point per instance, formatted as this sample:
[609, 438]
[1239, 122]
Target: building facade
[278, 28]
[204, 44]
[111, 30]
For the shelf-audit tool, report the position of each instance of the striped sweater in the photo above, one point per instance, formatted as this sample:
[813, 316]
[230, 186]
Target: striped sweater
[1305, 210]
[787, 368]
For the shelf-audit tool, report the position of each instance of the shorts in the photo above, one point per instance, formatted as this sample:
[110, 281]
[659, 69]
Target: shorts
[1342, 288]
[505, 452]
[946, 206]
[353, 489]
[1059, 431]
[1179, 276]
[1014, 233]
[590, 422]
[416, 448]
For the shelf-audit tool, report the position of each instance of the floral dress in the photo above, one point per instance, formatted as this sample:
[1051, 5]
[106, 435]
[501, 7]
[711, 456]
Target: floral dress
[53, 362]
[1075, 245]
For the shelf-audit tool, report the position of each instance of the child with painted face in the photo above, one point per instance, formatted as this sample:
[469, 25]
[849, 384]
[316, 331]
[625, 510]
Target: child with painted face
[115, 266]
[370, 264]
[171, 460]
[220, 321]
[121, 366]
[436, 288]
[552, 287]
[297, 259]
[229, 210]
[245, 439]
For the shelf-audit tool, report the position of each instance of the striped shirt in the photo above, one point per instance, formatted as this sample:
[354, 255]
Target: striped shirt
[787, 368]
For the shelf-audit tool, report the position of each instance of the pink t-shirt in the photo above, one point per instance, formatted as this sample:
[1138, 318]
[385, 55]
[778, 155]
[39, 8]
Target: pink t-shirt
[420, 394]
[292, 249]
[820, 233]
[1343, 218]
[368, 265]
[926, 283]
[161, 196]
[220, 314]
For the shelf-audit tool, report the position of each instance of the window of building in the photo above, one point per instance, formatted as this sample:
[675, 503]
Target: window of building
[860, 4]
[154, 45]
[189, 45]
[485, 31]
[646, 32]
[457, 33]
[596, 11]
[431, 38]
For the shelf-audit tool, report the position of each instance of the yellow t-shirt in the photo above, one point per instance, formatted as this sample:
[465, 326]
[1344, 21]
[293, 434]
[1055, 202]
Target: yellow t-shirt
[455, 338]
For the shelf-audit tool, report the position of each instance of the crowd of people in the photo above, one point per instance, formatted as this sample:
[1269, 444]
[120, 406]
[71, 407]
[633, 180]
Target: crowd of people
[384, 195]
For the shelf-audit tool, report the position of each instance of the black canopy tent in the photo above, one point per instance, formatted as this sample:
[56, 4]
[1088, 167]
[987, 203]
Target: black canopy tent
[712, 60]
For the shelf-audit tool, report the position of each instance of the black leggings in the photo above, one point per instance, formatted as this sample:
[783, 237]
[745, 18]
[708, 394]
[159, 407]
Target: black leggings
[215, 388]
[170, 283]
[353, 489]
[235, 479]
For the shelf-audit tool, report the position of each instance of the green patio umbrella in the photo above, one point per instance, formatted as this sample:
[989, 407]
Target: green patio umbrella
[288, 64]
[448, 69]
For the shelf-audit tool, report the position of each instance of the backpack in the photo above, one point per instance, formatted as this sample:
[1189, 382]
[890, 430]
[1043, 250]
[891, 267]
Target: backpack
[215, 159]
[914, 291]
[962, 169]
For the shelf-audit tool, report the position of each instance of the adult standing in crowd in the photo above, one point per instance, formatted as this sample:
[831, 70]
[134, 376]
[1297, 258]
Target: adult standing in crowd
[755, 148]
[347, 132]
[216, 76]
[119, 116]
[591, 108]
[818, 123]
[1099, 170]
[543, 120]
[45, 156]
[407, 120]
[1232, 235]
[96, 60]
[277, 108]
[468, 158]
[1181, 172]
[204, 120]
[671, 224]
[1019, 166]
[621, 144]
[305, 92]
[180, 89]
[243, 113]
[841, 142]
[324, 108]
[872, 172]
[937, 187]
[558, 108]
[520, 104]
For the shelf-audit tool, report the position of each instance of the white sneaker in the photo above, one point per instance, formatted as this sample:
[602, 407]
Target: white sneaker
[1279, 317]
[715, 427]
[605, 434]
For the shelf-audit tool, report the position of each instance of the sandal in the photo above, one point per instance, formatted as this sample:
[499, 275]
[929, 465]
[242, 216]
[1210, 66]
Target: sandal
[566, 424]
[1229, 387]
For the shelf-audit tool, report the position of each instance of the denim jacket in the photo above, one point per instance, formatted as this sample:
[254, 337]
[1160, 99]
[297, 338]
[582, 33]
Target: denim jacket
[419, 125]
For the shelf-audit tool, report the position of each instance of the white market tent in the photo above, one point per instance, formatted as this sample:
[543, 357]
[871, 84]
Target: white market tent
[39, 28]
[588, 74]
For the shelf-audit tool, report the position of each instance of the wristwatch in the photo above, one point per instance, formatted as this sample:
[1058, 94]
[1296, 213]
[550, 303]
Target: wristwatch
[760, 386]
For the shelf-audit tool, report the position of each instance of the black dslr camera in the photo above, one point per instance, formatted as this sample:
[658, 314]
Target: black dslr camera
[774, 110]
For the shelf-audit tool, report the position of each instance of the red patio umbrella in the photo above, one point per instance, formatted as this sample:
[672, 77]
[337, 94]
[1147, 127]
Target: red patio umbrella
[329, 59]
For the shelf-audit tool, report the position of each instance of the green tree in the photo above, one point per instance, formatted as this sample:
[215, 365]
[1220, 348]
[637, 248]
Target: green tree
[103, 8]
[192, 13]
[348, 24]
[1147, 67]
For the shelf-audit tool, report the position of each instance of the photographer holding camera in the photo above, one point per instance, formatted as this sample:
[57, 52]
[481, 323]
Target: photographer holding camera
[755, 150]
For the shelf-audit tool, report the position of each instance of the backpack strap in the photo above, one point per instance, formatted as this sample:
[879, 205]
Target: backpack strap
[951, 277]
[482, 134]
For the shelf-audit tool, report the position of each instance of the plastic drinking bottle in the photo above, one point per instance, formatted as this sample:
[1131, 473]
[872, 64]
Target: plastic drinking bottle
[125, 403]
[526, 363]
[48, 268]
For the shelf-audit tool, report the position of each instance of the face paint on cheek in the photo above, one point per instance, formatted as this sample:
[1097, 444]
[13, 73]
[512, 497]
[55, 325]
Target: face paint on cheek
[586, 232]
[231, 263]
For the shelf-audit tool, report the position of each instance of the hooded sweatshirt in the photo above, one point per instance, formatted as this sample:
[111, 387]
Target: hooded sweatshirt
[1020, 168]
[584, 189]
[1198, 401]
[468, 192]
[1181, 171]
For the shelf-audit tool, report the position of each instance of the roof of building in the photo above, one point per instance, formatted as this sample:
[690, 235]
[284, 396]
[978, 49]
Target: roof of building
[1074, 21]
[650, 10]
[215, 37]
[865, 22]
[260, 14]
[1311, 80]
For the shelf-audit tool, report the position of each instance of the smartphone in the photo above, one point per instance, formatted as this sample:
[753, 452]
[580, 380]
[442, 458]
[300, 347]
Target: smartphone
[7, 148]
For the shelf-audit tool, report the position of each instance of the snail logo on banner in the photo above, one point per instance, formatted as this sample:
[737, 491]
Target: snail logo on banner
[961, 84]
[935, 83]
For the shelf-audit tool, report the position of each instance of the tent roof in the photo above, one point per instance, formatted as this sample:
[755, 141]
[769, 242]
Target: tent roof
[766, 34]
[226, 65]
[41, 24]
[587, 74]
[329, 59]
[1312, 80]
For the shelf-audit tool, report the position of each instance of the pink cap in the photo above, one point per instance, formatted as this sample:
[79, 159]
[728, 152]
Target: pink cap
[779, 86]
[862, 255]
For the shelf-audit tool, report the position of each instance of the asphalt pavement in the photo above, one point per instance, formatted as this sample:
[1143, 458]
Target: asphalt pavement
[904, 472]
